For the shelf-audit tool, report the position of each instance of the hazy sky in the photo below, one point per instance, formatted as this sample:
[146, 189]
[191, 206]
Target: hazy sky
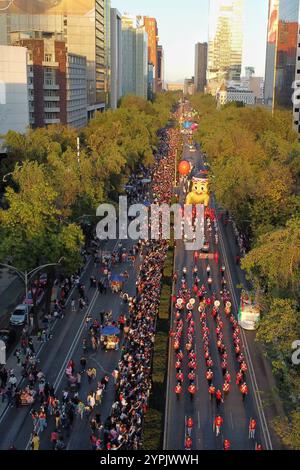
[182, 23]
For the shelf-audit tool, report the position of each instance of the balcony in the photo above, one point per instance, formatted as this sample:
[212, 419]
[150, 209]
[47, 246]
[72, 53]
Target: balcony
[52, 121]
[45, 63]
[51, 98]
[51, 87]
[55, 109]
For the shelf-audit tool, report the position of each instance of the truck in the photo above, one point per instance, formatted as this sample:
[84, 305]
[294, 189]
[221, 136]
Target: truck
[249, 312]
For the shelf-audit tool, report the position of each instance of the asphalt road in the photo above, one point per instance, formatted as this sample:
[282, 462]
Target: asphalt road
[235, 412]
[16, 424]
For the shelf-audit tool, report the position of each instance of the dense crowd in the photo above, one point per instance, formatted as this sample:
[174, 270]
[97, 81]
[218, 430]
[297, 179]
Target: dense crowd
[123, 429]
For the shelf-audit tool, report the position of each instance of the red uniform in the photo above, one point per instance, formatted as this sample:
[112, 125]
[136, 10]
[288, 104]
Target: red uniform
[226, 444]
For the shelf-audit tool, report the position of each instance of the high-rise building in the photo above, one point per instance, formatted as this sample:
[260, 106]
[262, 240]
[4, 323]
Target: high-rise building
[282, 57]
[225, 46]
[83, 25]
[150, 25]
[14, 108]
[200, 66]
[116, 57]
[56, 80]
[189, 86]
[160, 68]
[254, 84]
[134, 57]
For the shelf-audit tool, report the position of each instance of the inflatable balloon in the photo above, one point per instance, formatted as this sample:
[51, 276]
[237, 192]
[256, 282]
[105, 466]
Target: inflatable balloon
[199, 193]
[184, 168]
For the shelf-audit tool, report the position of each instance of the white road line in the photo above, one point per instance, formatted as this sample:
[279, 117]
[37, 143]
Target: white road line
[259, 406]
[199, 423]
[72, 348]
[41, 347]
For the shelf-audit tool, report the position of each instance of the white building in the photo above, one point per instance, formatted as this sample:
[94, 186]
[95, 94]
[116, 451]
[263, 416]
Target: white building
[76, 91]
[14, 110]
[134, 57]
[230, 94]
[116, 56]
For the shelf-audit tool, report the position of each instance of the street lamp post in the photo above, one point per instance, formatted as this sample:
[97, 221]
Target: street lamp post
[27, 275]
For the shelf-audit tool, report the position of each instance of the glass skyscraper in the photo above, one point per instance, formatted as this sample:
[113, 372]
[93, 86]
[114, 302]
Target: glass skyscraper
[84, 25]
[281, 57]
[225, 46]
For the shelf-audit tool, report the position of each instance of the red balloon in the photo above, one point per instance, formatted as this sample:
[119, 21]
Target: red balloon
[184, 168]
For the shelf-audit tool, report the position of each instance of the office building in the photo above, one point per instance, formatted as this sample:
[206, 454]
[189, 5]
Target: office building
[225, 46]
[175, 87]
[84, 27]
[150, 81]
[57, 80]
[134, 57]
[254, 84]
[150, 25]
[14, 109]
[160, 68]
[116, 56]
[230, 94]
[200, 66]
[282, 75]
[189, 86]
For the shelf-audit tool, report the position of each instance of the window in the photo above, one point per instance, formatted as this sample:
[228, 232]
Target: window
[48, 57]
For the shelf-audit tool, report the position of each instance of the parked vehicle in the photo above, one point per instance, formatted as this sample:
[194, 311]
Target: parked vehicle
[20, 316]
[8, 337]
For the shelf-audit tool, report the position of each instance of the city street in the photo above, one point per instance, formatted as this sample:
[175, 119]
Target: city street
[16, 424]
[235, 413]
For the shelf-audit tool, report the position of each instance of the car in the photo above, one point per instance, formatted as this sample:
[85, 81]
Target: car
[8, 337]
[20, 315]
[38, 296]
[205, 248]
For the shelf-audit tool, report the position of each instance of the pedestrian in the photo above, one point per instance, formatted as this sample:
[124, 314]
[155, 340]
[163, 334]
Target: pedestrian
[35, 442]
[54, 438]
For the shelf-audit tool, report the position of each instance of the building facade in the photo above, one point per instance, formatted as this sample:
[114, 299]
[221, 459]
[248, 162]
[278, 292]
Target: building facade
[225, 46]
[116, 57]
[14, 107]
[200, 66]
[134, 57]
[234, 94]
[83, 25]
[57, 80]
[150, 25]
[282, 57]
[160, 68]
[189, 86]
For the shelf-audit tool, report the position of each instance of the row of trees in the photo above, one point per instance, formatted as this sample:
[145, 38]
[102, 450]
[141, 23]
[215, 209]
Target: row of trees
[48, 190]
[255, 163]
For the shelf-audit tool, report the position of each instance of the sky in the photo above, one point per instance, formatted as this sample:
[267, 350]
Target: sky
[183, 23]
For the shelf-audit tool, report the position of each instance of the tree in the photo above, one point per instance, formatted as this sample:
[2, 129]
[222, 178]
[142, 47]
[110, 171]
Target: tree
[289, 430]
[31, 229]
[275, 261]
[279, 327]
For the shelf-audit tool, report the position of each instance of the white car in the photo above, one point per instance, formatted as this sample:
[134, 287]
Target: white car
[20, 316]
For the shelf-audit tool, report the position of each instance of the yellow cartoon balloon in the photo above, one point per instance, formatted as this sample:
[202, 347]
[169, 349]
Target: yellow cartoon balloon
[199, 193]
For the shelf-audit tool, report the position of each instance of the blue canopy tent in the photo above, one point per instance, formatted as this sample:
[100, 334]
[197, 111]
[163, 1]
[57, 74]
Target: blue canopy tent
[110, 330]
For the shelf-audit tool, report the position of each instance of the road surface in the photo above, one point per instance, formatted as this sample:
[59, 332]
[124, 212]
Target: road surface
[235, 413]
